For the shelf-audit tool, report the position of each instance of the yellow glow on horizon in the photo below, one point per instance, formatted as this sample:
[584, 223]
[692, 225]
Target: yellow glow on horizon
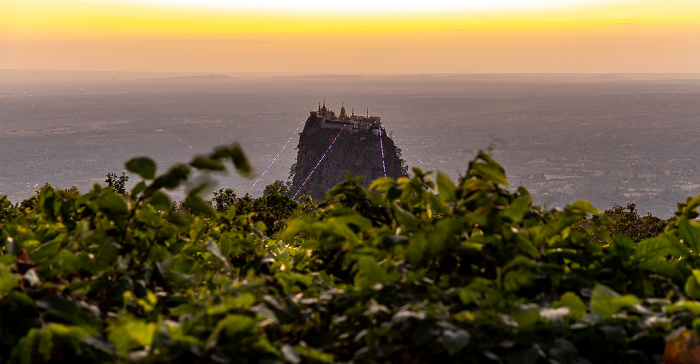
[364, 7]
[76, 20]
[647, 34]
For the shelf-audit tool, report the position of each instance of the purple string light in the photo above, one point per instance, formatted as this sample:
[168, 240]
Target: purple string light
[319, 162]
[381, 146]
[278, 154]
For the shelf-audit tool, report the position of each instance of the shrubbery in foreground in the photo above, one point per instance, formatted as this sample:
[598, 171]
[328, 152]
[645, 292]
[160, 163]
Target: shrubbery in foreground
[396, 273]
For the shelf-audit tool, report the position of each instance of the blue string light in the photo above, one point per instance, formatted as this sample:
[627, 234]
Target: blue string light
[278, 154]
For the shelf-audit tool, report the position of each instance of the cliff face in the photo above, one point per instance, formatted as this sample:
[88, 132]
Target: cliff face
[357, 153]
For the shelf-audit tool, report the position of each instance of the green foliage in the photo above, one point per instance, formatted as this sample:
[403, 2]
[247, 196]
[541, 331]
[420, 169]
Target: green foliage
[622, 221]
[606, 302]
[273, 209]
[277, 188]
[118, 184]
[224, 199]
[420, 269]
[144, 167]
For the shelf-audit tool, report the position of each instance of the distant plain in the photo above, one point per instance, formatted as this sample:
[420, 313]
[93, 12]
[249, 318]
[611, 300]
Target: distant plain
[604, 138]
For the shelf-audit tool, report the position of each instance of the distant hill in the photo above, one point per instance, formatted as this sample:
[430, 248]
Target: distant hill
[516, 77]
[211, 77]
[321, 77]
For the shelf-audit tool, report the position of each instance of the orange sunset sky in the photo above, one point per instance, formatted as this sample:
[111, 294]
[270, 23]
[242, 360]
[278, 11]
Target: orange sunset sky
[360, 37]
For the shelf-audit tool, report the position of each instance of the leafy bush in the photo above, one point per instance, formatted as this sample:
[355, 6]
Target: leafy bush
[413, 270]
[623, 220]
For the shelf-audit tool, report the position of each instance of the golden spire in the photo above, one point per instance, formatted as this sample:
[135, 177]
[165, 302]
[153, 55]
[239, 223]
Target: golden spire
[342, 116]
[324, 109]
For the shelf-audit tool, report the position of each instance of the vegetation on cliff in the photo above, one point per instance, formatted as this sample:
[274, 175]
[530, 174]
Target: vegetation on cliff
[410, 270]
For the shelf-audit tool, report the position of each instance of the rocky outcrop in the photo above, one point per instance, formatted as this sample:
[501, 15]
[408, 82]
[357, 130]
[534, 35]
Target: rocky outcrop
[355, 152]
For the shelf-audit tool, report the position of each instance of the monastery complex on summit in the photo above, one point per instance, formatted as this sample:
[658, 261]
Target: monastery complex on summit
[352, 122]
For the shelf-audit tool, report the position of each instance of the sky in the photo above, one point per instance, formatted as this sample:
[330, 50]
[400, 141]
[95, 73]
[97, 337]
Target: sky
[353, 37]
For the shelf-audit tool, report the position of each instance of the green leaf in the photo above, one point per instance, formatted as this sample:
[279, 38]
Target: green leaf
[173, 178]
[237, 157]
[526, 246]
[491, 173]
[692, 205]
[34, 347]
[232, 326]
[519, 274]
[63, 308]
[478, 288]
[140, 187]
[606, 302]
[113, 203]
[664, 268]
[214, 250]
[490, 170]
[417, 247]
[181, 219]
[441, 236]
[623, 247]
[526, 316]
[160, 201]
[198, 205]
[690, 306]
[241, 162]
[692, 285]
[40, 344]
[382, 184]
[49, 205]
[577, 308]
[565, 219]
[660, 246]
[313, 355]
[690, 233]
[585, 206]
[8, 281]
[439, 205]
[46, 250]
[357, 220]
[206, 163]
[67, 331]
[22, 298]
[370, 272]
[143, 166]
[517, 208]
[446, 189]
[405, 218]
[148, 215]
[127, 333]
[225, 243]
[243, 301]
[45, 343]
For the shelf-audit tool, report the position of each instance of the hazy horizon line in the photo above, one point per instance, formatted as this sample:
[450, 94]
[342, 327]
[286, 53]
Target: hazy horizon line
[281, 75]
